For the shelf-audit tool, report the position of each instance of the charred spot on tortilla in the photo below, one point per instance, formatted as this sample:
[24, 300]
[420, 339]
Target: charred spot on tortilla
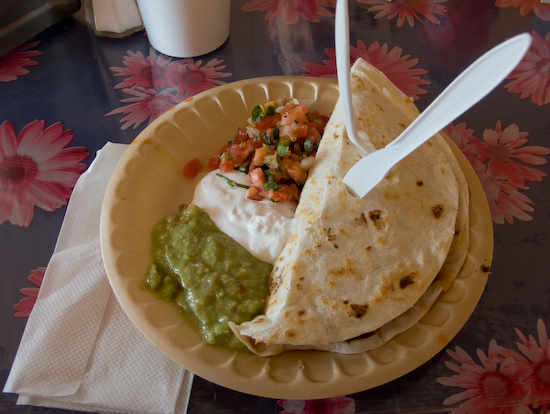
[274, 282]
[347, 269]
[358, 311]
[361, 220]
[376, 218]
[330, 237]
[485, 268]
[298, 267]
[407, 280]
[289, 333]
[438, 210]
[337, 272]
[420, 183]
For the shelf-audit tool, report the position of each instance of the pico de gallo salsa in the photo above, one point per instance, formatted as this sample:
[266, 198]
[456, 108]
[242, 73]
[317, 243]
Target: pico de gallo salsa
[276, 149]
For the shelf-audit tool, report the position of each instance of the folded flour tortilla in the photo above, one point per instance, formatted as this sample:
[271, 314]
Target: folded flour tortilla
[365, 266]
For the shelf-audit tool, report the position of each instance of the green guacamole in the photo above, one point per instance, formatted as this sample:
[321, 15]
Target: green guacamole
[206, 273]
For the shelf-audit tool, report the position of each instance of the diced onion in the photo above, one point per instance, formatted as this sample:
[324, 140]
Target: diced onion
[252, 132]
[307, 162]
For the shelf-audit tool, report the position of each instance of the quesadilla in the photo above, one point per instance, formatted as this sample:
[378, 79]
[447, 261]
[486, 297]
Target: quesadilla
[353, 268]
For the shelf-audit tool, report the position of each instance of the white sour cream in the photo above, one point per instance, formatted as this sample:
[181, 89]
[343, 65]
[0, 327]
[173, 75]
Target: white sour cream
[261, 227]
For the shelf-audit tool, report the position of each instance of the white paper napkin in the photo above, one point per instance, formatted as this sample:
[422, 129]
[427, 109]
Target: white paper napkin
[79, 350]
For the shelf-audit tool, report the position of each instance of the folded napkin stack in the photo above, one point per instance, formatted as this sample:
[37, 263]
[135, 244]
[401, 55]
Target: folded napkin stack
[79, 350]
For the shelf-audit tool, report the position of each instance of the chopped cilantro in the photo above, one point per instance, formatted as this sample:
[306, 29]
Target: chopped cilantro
[267, 136]
[244, 167]
[282, 150]
[257, 113]
[276, 133]
[270, 183]
[232, 183]
[307, 144]
[270, 110]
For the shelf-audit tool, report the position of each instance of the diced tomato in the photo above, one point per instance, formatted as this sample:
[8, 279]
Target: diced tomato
[258, 159]
[235, 155]
[242, 135]
[294, 170]
[227, 165]
[285, 193]
[292, 114]
[301, 130]
[294, 157]
[192, 168]
[278, 176]
[268, 121]
[255, 193]
[257, 176]
[316, 126]
[314, 136]
[213, 163]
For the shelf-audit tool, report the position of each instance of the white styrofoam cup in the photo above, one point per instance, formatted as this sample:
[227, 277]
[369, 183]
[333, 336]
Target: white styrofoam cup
[185, 28]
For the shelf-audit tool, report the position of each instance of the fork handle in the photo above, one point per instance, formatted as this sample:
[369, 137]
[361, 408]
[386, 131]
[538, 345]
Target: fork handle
[480, 78]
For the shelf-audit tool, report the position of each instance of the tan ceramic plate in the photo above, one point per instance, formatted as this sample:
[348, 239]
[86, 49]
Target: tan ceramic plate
[148, 184]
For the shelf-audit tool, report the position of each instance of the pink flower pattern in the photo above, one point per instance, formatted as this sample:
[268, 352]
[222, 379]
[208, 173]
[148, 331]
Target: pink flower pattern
[13, 63]
[538, 355]
[192, 78]
[36, 170]
[396, 67]
[500, 162]
[24, 307]
[542, 10]
[152, 71]
[407, 10]
[505, 382]
[338, 405]
[325, 70]
[144, 104]
[156, 83]
[532, 75]
[291, 10]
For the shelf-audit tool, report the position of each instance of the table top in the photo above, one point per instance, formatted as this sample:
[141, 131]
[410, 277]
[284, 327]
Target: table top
[80, 90]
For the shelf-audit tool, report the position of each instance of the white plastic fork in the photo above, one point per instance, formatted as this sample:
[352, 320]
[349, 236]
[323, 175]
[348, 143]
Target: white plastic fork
[341, 36]
[466, 90]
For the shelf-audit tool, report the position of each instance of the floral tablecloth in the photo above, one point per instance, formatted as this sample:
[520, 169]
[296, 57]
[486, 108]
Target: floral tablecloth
[66, 92]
